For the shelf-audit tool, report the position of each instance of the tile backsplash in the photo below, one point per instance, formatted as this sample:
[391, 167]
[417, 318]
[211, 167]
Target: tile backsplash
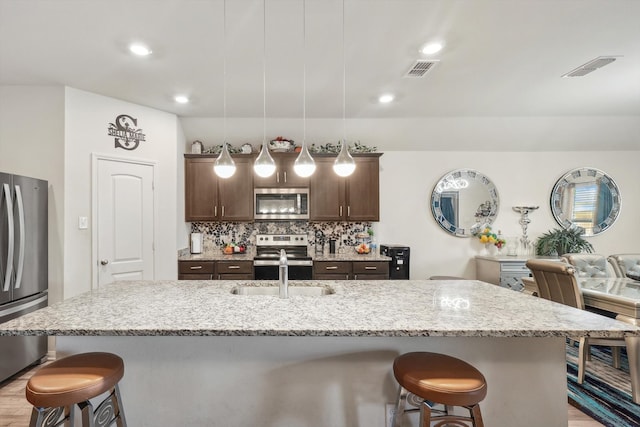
[216, 234]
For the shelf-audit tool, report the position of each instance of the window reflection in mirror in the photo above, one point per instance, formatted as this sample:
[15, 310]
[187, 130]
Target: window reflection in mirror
[463, 201]
[586, 198]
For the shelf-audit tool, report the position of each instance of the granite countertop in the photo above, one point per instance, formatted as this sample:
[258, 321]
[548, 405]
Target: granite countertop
[390, 308]
[217, 255]
[352, 255]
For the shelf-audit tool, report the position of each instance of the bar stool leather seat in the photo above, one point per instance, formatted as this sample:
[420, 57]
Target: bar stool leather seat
[74, 380]
[439, 379]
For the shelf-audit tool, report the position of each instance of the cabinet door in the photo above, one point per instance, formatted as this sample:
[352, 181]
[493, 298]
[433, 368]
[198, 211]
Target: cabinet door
[363, 191]
[201, 190]
[235, 194]
[370, 270]
[332, 270]
[326, 193]
[284, 176]
[235, 267]
[196, 270]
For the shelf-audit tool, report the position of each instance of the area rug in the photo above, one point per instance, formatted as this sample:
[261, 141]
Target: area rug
[605, 394]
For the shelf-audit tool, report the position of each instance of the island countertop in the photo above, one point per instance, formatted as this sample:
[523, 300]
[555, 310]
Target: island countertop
[387, 308]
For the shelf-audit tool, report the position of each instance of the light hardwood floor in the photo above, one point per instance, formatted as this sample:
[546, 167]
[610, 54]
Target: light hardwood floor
[15, 411]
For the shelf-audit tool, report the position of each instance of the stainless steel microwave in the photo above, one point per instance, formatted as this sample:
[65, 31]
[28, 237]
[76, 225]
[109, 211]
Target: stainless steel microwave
[281, 203]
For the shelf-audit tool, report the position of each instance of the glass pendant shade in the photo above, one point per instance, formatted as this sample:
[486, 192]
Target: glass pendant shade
[304, 165]
[344, 164]
[264, 165]
[224, 165]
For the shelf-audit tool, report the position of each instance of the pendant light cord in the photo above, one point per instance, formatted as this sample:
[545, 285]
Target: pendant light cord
[304, 72]
[264, 71]
[344, 84]
[224, 75]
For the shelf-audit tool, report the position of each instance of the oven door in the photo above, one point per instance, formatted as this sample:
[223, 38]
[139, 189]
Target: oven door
[281, 203]
[269, 270]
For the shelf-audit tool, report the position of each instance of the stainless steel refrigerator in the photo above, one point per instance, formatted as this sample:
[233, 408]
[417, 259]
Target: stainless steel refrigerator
[23, 265]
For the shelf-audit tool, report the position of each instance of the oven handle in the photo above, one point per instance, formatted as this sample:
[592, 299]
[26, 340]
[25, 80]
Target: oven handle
[275, 263]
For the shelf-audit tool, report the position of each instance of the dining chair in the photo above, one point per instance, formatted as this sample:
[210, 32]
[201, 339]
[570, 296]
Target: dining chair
[623, 264]
[589, 265]
[556, 281]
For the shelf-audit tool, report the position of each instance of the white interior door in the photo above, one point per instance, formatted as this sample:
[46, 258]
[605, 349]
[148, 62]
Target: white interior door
[125, 217]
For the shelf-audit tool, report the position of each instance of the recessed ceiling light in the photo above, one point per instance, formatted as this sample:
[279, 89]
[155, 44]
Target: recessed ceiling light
[181, 99]
[386, 98]
[431, 48]
[140, 49]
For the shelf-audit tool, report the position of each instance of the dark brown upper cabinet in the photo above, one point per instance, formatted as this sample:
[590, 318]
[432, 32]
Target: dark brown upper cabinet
[284, 176]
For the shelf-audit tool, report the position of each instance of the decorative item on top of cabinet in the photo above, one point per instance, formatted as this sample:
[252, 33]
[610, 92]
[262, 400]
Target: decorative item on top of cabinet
[210, 198]
[355, 198]
[285, 176]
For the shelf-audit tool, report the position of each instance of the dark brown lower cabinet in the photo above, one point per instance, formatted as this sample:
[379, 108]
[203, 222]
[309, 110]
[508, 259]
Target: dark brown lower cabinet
[351, 270]
[234, 270]
[215, 270]
[196, 270]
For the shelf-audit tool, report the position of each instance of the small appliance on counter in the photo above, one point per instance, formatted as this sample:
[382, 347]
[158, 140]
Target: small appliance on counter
[399, 265]
[196, 243]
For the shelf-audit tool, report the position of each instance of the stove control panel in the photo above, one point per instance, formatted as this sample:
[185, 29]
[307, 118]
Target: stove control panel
[281, 240]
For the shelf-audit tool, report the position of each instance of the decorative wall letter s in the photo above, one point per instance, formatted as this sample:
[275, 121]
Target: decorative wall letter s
[125, 134]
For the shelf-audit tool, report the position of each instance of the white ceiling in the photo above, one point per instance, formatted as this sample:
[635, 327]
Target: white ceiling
[501, 57]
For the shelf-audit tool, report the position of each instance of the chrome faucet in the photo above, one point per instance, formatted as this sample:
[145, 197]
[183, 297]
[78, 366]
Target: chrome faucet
[283, 274]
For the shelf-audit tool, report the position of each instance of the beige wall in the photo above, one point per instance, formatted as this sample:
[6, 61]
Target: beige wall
[407, 179]
[87, 117]
[32, 144]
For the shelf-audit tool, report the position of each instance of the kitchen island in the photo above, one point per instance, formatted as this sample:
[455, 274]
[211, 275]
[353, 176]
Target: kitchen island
[196, 354]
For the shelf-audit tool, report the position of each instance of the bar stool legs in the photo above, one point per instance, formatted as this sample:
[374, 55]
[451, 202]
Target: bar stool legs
[110, 410]
[438, 381]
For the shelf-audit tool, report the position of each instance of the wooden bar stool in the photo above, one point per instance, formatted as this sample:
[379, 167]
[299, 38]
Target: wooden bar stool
[439, 379]
[55, 389]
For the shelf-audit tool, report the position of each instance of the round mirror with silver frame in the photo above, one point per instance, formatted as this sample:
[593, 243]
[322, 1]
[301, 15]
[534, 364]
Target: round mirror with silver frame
[463, 201]
[587, 198]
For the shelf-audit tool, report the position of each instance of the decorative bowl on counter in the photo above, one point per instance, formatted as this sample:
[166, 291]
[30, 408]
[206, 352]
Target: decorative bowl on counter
[363, 249]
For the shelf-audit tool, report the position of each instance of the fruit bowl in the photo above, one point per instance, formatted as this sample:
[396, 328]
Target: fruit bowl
[363, 249]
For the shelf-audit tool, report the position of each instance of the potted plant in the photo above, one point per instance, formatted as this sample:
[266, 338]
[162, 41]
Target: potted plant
[562, 241]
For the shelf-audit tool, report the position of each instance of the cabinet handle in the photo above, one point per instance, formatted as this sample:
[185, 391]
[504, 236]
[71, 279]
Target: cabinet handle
[349, 210]
[222, 211]
[285, 176]
[334, 267]
[198, 267]
[219, 276]
[355, 277]
[370, 268]
[215, 210]
[346, 277]
[340, 214]
[278, 177]
[234, 267]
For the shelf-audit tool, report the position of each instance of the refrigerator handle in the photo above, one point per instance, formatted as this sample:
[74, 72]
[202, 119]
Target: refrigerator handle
[21, 238]
[10, 243]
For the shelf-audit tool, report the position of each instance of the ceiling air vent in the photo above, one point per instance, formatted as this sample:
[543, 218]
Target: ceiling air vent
[591, 66]
[420, 67]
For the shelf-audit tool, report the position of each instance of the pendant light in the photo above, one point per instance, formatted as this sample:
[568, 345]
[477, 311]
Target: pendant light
[304, 165]
[224, 165]
[264, 165]
[344, 164]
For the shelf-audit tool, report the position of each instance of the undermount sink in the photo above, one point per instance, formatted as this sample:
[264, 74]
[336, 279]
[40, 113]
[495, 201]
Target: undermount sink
[294, 291]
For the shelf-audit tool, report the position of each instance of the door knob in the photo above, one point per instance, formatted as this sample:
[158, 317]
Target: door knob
[104, 262]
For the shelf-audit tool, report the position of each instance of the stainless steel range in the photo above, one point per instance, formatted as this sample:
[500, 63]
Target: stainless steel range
[268, 246]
